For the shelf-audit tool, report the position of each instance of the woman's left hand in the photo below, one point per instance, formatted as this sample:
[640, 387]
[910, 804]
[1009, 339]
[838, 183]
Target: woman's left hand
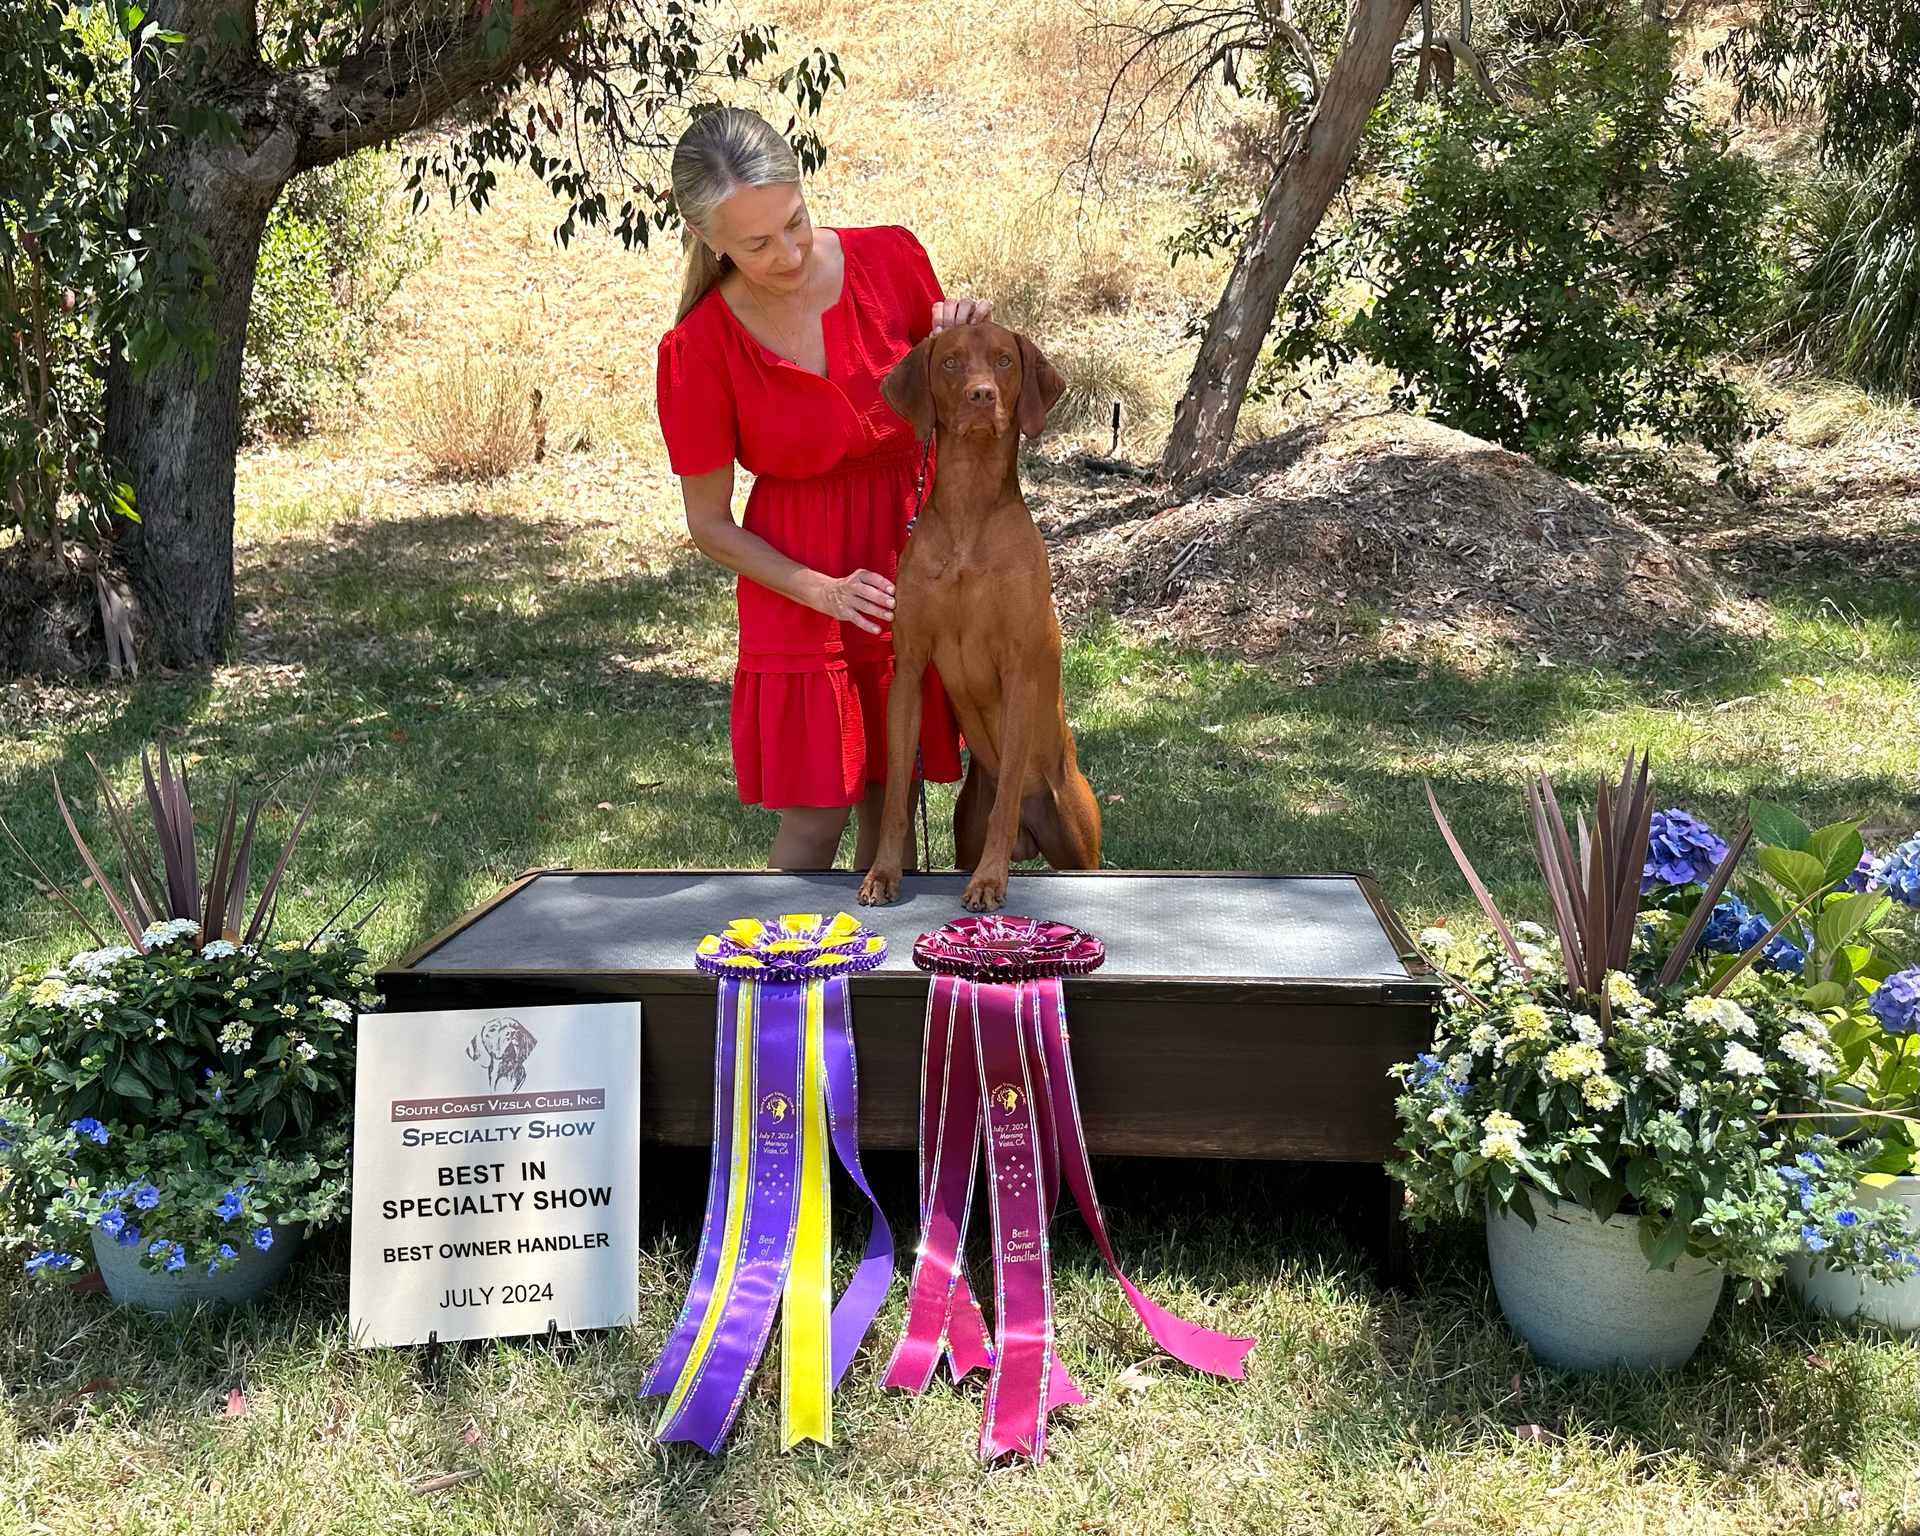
[961, 312]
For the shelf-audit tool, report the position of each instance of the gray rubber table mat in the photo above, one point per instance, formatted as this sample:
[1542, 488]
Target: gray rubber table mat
[1213, 927]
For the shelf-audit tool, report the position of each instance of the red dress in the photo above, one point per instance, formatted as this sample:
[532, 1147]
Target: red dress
[834, 475]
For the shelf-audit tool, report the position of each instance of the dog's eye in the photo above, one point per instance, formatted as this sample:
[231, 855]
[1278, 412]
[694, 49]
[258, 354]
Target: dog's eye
[1005, 362]
[950, 363]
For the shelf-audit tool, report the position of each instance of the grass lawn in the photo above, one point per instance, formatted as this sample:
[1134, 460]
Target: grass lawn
[491, 687]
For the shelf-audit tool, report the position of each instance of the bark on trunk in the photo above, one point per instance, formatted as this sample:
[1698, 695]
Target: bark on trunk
[1311, 174]
[177, 433]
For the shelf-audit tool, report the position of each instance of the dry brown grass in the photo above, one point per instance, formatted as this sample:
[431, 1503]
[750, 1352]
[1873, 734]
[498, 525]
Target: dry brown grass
[476, 415]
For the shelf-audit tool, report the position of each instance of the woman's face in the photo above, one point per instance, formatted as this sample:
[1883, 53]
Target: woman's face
[767, 233]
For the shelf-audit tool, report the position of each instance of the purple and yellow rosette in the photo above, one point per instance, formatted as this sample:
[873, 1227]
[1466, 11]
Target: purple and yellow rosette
[785, 1088]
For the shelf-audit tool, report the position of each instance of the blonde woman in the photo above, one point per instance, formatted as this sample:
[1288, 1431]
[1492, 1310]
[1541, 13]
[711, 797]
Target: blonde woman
[774, 362]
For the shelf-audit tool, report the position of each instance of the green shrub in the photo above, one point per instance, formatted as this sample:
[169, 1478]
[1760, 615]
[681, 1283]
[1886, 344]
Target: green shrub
[334, 252]
[1568, 271]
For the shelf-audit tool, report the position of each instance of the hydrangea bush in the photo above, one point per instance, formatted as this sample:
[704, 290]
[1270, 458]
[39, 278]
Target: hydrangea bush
[1671, 1113]
[183, 1101]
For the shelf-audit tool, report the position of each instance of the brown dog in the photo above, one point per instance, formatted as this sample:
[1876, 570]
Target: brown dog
[974, 598]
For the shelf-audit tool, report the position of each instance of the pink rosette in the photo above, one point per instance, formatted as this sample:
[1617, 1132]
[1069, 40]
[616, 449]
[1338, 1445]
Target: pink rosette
[1002, 947]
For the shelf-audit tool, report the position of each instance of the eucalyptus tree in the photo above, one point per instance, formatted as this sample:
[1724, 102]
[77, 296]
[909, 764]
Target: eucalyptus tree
[587, 93]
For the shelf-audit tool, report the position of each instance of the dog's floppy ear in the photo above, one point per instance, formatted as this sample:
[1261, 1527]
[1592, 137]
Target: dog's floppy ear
[1040, 387]
[909, 389]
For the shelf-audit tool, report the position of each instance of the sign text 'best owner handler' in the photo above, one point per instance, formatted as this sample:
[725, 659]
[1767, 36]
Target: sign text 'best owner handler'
[496, 1172]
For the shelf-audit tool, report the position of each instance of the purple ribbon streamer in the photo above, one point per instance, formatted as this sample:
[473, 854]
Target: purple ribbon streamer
[860, 1303]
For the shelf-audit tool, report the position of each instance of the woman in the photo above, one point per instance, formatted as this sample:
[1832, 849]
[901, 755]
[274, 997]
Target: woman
[783, 335]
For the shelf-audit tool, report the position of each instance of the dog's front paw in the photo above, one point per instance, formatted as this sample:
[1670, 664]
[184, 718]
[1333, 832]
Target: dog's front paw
[881, 888]
[985, 893]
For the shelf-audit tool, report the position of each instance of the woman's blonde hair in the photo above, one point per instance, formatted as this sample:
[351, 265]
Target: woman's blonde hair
[719, 153]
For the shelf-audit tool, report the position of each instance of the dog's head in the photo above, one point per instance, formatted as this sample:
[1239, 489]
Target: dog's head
[974, 380]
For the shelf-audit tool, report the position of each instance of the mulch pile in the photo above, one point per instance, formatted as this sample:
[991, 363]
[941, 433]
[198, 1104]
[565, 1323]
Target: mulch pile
[1381, 534]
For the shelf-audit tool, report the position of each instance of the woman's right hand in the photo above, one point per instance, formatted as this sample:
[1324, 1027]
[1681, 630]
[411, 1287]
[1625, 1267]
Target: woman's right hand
[863, 599]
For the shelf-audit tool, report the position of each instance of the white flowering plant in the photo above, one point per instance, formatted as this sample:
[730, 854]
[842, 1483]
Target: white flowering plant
[186, 1099]
[1672, 1115]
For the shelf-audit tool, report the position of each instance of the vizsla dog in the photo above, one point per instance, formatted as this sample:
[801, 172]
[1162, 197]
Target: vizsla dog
[974, 599]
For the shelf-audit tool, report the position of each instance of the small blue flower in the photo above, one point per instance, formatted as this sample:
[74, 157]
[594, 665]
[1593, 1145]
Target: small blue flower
[178, 1258]
[226, 1251]
[91, 1127]
[1814, 1158]
[1721, 936]
[1782, 956]
[263, 1238]
[112, 1222]
[145, 1195]
[1681, 850]
[1848, 1218]
[155, 1246]
[1813, 1239]
[1428, 1064]
[1899, 872]
[229, 1206]
[129, 1236]
[1792, 1175]
[49, 1259]
[1862, 875]
[1896, 1002]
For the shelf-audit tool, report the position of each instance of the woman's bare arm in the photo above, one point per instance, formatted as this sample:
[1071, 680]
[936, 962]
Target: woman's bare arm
[864, 599]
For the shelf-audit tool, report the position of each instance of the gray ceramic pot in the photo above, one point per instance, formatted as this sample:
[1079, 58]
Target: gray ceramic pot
[1841, 1293]
[1578, 1290]
[240, 1284]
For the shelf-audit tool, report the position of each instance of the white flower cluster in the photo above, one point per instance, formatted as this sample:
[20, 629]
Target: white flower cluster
[338, 1010]
[1484, 1037]
[219, 949]
[1742, 1062]
[1722, 1013]
[87, 1001]
[237, 1036]
[173, 928]
[1689, 1095]
[97, 962]
[306, 1050]
[1803, 1048]
[1503, 1137]
[1584, 1029]
[1657, 1059]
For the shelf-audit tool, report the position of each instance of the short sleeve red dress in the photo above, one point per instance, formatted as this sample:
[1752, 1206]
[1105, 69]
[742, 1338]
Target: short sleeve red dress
[834, 471]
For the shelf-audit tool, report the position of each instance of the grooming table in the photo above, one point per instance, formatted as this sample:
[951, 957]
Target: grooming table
[1237, 1015]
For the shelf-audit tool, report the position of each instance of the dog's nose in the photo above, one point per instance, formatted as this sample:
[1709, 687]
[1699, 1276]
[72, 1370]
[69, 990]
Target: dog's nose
[982, 394]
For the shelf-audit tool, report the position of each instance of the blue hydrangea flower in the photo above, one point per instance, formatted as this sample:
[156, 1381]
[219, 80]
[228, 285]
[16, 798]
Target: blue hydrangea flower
[1896, 1002]
[229, 1206]
[1813, 1239]
[1899, 872]
[112, 1222]
[1862, 875]
[1848, 1218]
[263, 1238]
[49, 1259]
[178, 1258]
[1782, 956]
[1721, 936]
[91, 1127]
[1753, 929]
[145, 1195]
[1681, 850]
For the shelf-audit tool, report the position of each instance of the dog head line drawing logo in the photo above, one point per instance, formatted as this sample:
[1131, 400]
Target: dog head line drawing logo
[504, 1045]
[777, 1106]
[1007, 1097]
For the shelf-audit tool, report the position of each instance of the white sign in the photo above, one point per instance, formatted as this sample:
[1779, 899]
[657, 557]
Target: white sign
[496, 1172]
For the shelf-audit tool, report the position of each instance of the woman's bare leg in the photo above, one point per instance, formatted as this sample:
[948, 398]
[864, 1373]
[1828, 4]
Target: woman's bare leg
[866, 838]
[809, 837]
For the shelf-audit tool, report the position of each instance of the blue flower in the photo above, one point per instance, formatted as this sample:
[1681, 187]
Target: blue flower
[1792, 1175]
[155, 1246]
[1862, 875]
[1813, 1239]
[1752, 930]
[1847, 1218]
[1899, 872]
[145, 1195]
[229, 1206]
[1428, 1063]
[49, 1259]
[91, 1127]
[1681, 850]
[263, 1238]
[178, 1258]
[129, 1236]
[112, 1222]
[1814, 1158]
[1896, 1002]
[1721, 936]
[1782, 956]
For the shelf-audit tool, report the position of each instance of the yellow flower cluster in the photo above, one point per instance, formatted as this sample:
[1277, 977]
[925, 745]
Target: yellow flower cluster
[1503, 1137]
[1601, 1091]
[1569, 1062]
[1530, 1022]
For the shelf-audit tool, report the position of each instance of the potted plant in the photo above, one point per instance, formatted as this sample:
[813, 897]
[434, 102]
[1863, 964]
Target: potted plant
[1610, 1095]
[178, 1106]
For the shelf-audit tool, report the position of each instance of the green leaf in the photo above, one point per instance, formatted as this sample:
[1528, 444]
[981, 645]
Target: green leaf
[1837, 847]
[1637, 1173]
[1672, 1243]
[1801, 873]
[1777, 826]
[1843, 917]
[1824, 994]
[128, 1085]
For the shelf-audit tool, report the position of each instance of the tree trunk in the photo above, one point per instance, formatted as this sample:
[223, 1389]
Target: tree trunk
[1313, 171]
[177, 433]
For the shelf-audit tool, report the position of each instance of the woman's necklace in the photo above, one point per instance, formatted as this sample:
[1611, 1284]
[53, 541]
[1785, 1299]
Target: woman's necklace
[790, 349]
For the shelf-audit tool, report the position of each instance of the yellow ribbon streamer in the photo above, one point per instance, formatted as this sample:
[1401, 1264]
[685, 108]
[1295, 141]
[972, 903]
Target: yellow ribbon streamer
[806, 1312]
